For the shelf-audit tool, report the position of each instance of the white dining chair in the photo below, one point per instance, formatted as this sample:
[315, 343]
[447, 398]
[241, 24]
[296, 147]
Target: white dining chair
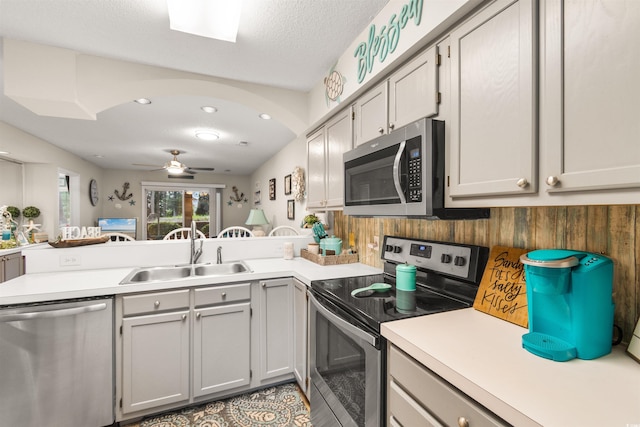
[114, 236]
[235, 231]
[284, 230]
[183, 233]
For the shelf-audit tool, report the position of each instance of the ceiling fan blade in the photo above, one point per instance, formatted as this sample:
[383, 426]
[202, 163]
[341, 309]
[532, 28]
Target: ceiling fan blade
[189, 171]
[202, 169]
[147, 166]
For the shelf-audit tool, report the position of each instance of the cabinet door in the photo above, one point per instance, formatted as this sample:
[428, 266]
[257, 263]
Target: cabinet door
[316, 170]
[493, 102]
[155, 360]
[371, 118]
[276, 328]
[590, 95]
[338, 134]
[11, 266]
[221, 348]
[300, 335]
[413, 90]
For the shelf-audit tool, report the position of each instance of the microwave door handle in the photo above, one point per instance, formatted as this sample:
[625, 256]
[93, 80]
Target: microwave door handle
[396, 173]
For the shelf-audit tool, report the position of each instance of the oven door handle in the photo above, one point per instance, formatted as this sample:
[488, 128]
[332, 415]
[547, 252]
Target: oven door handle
[397, 171]
[340, 322]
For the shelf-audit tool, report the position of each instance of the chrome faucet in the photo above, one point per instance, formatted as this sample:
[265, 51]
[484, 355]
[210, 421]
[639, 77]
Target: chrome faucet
[219, 259]
[195, 254]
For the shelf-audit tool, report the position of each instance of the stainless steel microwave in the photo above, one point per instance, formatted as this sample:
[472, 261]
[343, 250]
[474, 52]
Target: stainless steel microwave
[401, 174]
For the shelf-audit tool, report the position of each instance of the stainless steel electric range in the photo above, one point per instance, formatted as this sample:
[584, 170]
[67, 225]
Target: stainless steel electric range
[348, 354]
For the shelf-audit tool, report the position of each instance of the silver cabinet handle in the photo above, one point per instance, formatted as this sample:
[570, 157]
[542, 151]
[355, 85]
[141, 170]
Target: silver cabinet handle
[264, 284]
[156, 304]
[223, 295]
[52, 313]
[198, 315]
[380, 130]
[552, 181]
[463, 422]
[522, 182]
[391, 126]
[184, 317]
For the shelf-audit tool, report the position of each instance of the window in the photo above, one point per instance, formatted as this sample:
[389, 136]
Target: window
[68, 198]
[168, 207]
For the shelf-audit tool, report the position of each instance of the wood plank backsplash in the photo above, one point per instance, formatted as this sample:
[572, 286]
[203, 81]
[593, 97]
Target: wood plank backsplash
[610, 230]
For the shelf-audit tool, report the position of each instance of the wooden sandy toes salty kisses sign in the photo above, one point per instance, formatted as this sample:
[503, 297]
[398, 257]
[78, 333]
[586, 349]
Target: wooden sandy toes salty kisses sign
[503, 291]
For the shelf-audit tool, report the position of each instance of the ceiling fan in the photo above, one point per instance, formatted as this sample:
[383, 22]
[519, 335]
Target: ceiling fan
[175, 167]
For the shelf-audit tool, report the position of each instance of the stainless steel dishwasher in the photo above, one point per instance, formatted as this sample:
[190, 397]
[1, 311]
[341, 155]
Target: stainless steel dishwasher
[56, 364]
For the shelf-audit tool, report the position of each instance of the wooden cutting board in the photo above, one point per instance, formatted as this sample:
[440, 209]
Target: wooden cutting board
[503, 291]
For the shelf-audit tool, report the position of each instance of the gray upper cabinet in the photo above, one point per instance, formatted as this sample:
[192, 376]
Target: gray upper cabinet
[371, 116]
[493, 140]
[590, 95]
[325, 189]
[413, 90]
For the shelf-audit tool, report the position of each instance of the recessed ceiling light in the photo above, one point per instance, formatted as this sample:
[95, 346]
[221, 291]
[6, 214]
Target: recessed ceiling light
[264, 116]
[143, 101]
[207, 135]
[209, 109]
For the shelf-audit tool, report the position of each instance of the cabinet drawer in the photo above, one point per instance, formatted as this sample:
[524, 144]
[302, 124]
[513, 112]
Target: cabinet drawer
[405, 411]
[156, 302]
[222, 294]
[431, 395]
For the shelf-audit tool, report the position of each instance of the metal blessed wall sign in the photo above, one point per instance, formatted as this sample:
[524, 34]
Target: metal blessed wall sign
[381, 43]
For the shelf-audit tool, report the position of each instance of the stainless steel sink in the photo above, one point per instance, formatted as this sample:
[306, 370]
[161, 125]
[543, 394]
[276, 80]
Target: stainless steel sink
[166, 273]
[225, 268]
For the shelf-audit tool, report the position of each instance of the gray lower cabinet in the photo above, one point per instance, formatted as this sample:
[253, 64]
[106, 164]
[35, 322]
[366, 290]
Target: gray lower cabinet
[221, 339]
[418, 397]
[182, 346]
[300, 335]
[155, 350]
[276, 328]
[11, 266]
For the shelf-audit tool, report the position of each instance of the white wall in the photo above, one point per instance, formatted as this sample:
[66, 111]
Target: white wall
[280, 165]
[41, 163]
[115, 179]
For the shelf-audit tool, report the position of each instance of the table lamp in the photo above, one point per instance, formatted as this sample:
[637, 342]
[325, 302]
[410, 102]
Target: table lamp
[257, 219]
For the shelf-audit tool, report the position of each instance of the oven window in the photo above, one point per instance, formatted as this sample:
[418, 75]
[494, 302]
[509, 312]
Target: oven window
[341, 363]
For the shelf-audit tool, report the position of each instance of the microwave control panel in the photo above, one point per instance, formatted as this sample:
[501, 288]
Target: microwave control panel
[414, 170]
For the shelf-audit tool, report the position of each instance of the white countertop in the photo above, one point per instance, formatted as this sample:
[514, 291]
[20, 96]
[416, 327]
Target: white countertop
[49, 286]
[483, 357]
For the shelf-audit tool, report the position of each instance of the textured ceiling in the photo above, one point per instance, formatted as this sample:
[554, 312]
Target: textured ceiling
[282, 43]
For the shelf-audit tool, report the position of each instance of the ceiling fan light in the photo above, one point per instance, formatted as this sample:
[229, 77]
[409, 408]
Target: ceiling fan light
[207, 135]
[175, 167]
[209, 109]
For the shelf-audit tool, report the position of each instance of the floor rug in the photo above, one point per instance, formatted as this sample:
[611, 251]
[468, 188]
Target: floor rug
[280, 406]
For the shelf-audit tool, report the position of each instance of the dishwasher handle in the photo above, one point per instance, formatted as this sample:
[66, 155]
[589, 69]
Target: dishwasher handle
[16, 317]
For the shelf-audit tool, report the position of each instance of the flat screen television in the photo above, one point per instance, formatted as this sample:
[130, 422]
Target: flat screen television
[120, 225]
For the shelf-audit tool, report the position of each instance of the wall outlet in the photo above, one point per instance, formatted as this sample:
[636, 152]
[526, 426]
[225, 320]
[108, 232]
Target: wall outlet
[69, 260]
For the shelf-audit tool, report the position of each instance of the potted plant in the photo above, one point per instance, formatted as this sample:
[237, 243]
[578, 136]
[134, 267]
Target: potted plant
[15, 212]
[309, 220]
[31, 212]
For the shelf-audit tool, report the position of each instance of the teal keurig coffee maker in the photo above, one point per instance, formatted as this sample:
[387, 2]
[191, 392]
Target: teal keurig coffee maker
[569, 298]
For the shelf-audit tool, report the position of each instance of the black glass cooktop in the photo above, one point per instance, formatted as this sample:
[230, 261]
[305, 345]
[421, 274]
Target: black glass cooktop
[375, 307]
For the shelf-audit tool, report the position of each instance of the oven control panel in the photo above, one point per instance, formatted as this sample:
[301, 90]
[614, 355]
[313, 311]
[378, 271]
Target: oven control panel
[462, 261]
